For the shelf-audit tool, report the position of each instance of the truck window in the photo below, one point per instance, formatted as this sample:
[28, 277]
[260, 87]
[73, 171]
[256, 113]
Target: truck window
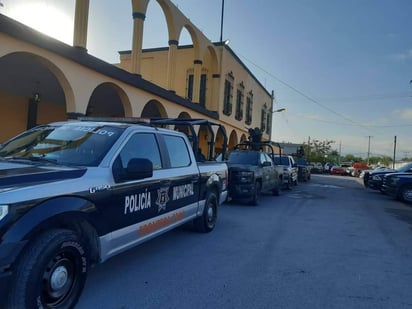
[178, 152]
[143, 146]
[243, 157]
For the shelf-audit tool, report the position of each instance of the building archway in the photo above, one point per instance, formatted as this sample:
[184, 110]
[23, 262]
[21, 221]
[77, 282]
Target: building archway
[153, 109]
[108, 100]
[232, 140]
[33, 90]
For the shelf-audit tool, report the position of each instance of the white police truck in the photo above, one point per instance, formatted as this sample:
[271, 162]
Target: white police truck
[75, 193]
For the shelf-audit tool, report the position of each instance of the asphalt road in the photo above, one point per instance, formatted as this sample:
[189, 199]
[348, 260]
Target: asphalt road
[327, 243]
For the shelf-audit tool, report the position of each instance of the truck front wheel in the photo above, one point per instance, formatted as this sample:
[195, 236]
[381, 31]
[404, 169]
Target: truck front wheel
[206, 223]
[406, 194]
[256, 194]
[51, 272]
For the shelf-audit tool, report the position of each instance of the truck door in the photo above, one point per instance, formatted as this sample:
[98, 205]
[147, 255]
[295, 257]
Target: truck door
[134, 200]
[183, 175]
[266, 167]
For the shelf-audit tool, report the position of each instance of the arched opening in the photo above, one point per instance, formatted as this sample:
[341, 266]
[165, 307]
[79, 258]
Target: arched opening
[153, 109]
[219, 141]
[232, 140]
[107, 100]
[184, 115]
[33, 91]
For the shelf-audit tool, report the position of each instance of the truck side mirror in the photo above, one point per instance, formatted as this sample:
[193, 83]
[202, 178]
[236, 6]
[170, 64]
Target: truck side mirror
[138, 168]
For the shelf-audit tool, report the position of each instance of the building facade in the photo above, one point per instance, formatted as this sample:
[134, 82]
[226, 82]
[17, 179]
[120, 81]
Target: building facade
[44, 80]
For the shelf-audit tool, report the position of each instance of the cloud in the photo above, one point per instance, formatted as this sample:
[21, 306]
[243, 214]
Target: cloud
[403, 56]
[403, 114]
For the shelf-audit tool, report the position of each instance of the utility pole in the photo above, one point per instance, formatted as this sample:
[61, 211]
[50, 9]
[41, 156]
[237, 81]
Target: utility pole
[369, 149]
[221, 21]
[394, 152]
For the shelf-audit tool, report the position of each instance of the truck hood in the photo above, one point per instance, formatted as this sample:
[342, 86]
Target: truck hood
[401, 174]
[240, 167]
[14, 175]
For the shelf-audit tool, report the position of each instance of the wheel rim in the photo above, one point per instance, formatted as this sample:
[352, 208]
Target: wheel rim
[59, 278]
[211, 214]
[407, 194]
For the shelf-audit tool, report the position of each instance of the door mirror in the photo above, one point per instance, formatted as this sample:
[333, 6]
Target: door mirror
[138, 169]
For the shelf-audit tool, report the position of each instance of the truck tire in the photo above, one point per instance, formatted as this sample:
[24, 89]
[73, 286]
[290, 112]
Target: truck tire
[405, 194]
[256, 194]
[207, 222]
[51, 273]
[276, 191]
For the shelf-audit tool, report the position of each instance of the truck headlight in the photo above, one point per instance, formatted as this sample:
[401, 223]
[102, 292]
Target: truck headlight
[4, 210]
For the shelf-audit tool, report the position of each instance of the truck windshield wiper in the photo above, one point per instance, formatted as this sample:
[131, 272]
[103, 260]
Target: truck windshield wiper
[34, 159]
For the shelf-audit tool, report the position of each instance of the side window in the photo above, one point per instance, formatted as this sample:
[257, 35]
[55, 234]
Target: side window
[178, 152]
[262, 158]
[143, 146]
[268, 159]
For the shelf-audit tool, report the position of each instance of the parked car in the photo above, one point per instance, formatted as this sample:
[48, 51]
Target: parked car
[304, 169]
[375, 179]
[317, 168]
[366, 173]
[398, 185]
[328, 166]
[358, 168]
[338, 170]
[290, 169]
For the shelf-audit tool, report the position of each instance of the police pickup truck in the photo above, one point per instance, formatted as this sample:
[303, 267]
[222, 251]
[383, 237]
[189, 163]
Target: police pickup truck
[74, 194]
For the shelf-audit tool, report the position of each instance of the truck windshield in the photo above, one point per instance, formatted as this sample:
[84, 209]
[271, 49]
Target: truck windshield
[284, 161]
[79, 144]
[243, 157]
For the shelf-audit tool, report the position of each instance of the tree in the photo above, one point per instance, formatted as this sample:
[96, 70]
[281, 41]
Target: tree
[318, 151]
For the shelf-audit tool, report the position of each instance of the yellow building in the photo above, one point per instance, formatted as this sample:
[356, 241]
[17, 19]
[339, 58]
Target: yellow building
[44, 80]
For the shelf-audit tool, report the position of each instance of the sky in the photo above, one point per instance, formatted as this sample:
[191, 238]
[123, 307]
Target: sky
[341, 69]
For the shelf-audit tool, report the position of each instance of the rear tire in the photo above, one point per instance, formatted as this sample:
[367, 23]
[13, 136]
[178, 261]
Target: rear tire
[207, 222]
[51, 273]
[276, 190]
[256, 194]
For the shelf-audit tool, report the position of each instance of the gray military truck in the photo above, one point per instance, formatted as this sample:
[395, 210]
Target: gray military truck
[74, 194]
[252, 170]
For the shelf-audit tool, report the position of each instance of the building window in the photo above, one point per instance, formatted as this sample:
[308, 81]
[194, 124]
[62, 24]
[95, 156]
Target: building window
[189, 88]
[228, 95]
[263, 118]
[203, 88]
[239, 101]
[268, 123]
[249, 108]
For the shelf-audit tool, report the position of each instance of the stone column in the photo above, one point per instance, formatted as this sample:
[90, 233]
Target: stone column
[81, 18]
[137, 41]
[139, 14]
[171, 65]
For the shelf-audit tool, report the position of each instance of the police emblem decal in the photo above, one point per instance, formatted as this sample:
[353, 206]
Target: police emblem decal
[162, 198]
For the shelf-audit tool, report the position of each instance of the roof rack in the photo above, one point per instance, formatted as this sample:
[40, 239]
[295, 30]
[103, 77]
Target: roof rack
[179, 123]
[131, 120]
[190, 123]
